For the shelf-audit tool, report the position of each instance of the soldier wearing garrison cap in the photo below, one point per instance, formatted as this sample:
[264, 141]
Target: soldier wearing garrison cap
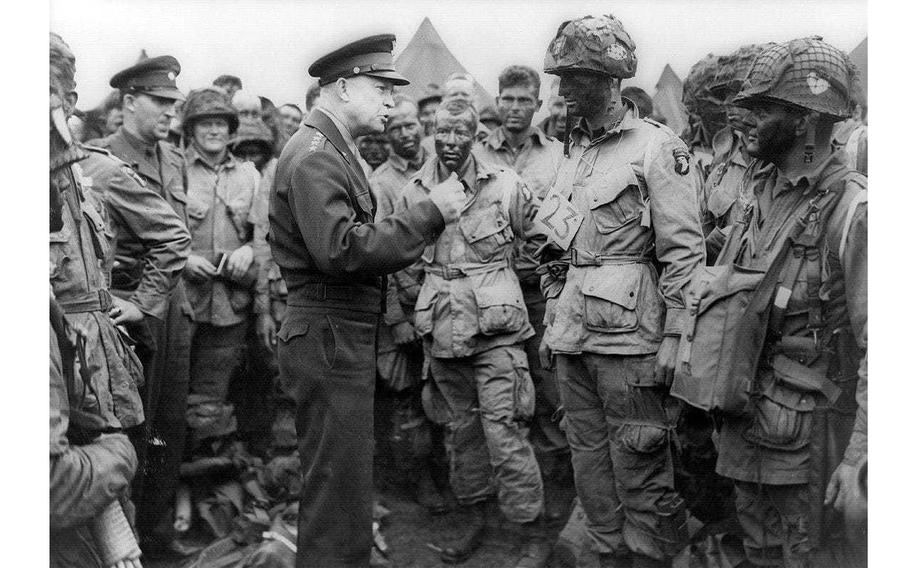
[150, 92]
[334, 258]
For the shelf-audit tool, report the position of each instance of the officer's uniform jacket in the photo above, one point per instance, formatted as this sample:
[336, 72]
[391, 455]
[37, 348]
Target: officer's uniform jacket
[322, 233]
[218, 204]
[780, 440]
[78, 283]
[387, 183]
[724, 188]
[149, 243]
[161, 165]
[637, 196]
[537, 162]
[471, 300]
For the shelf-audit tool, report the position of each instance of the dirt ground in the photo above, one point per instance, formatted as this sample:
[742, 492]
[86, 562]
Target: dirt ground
[409, 529]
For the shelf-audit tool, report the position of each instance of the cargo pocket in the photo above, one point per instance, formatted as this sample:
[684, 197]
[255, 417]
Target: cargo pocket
[611, 298]
[782, 418]
[486, 231]
[500, 308]
[423, 310]
[615, 199]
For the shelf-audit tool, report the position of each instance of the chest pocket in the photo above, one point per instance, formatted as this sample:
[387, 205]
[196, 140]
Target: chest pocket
[487, 231]
[196, 212]
[615, 198]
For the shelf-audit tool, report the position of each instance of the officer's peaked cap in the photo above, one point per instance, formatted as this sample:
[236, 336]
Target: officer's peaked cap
[156, 76]
[369, 56]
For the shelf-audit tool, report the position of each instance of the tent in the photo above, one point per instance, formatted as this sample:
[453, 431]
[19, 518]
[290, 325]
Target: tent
[667, 99]
[426, 59]
[860, 58]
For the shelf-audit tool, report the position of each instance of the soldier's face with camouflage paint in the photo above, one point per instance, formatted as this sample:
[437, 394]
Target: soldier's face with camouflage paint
[404, 130]
[587, 94]
[454, 138]
[771, 131]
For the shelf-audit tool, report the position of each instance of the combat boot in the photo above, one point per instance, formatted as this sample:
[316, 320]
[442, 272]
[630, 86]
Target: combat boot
[537, 548]
[428, 495]
[475, 526]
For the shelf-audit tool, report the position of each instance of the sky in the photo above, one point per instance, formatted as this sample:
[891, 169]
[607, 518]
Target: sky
[270, 44]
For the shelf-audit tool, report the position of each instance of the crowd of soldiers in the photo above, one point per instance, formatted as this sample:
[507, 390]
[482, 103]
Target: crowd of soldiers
[673, 328]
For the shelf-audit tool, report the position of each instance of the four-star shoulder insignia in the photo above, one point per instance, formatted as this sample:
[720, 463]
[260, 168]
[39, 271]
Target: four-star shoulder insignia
[316, 141]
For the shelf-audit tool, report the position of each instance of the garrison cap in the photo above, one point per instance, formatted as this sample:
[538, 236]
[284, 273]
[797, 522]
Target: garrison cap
[369, 56]
[156, 76]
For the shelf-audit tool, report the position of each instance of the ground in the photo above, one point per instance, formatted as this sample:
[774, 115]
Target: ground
[409, 529]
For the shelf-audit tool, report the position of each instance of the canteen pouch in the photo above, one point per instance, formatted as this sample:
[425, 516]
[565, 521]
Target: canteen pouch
[712, 371]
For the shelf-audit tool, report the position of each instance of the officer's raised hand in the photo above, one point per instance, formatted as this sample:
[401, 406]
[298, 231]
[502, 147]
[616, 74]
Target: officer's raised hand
[449, 197]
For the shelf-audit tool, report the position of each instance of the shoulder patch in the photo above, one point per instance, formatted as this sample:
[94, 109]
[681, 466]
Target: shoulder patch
[318, 138]
[682, 157]
[125, 168]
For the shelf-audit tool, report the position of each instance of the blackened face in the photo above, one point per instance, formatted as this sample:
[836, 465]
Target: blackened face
[404, 130]
[772, 132]
[454, 138]
[586, 94]
[252, 152]
[373, 150]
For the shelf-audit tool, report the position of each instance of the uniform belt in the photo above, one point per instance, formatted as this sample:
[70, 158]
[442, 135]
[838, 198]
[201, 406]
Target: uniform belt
[98, 301]
[454, 271]
[324, 291]
[587, 258]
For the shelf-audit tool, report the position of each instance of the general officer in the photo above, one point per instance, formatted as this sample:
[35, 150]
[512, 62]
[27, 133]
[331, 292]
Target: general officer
[334, 258]
[614, 321]
[150, 92]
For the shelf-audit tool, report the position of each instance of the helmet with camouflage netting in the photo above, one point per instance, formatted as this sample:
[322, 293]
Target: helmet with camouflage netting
[695, 87]
[806, 73]
[595, 44]
[208, 102]
[732, 69]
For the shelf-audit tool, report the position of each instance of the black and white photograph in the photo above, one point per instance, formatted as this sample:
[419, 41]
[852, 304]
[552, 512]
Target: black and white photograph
[421, 284]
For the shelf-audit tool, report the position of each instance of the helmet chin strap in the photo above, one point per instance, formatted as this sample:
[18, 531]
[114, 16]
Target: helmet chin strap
[809, 148]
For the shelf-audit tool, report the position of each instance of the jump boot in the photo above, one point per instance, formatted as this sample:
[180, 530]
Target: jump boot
[537, 547]
[475, 525]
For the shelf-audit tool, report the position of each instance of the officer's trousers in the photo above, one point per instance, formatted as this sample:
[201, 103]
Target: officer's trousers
[618, 422]
[329, 354]
[490, 398]
[164, 348]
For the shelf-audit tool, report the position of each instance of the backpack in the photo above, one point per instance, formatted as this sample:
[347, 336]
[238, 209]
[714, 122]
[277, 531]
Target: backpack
[732, 311]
